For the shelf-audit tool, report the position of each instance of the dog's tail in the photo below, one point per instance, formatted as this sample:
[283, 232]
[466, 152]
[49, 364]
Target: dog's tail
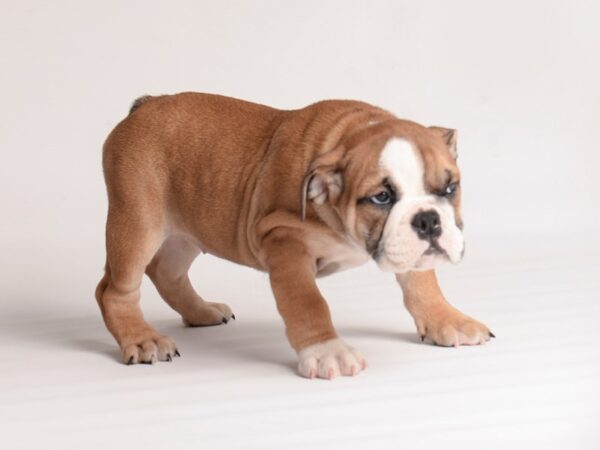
[139, 102]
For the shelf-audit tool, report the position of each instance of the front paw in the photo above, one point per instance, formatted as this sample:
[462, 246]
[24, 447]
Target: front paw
[330, 359]
[449, 327]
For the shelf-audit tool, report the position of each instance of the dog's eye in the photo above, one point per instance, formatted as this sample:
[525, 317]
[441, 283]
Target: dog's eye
[450, 190]
[383, 198]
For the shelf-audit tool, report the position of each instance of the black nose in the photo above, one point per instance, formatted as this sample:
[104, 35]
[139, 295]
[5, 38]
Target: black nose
[427, 224]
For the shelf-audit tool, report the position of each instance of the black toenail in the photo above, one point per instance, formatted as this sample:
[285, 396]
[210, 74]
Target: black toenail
[422, 337]
[130, 362]
[224, 320]
[233, 316]
[492, 335]
[177, 353]
[169, 358]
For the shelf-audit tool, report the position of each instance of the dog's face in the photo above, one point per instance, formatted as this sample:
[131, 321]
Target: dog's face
[397, 195]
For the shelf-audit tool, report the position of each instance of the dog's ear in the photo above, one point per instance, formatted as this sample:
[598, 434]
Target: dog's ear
[449, 136]
[321, 184]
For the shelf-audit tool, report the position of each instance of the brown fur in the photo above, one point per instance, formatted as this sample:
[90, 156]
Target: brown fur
[193, 173]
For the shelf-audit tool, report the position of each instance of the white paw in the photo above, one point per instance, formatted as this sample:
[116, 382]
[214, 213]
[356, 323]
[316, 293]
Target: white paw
[330, 359]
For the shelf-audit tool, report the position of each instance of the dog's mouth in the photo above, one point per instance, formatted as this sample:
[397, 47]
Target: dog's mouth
[435, 249]
[432, 251]
[426, 257]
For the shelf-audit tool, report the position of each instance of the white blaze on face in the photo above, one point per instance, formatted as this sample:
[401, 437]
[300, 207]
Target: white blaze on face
[401, 249]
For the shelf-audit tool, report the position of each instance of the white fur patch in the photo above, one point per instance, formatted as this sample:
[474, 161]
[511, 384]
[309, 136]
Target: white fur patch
[330, 359]
[404, 166]
[401, 250]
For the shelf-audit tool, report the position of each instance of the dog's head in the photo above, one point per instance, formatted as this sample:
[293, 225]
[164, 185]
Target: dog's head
[394, 190]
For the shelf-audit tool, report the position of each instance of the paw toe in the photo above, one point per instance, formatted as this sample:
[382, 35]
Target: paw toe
[328, 367]
[131, 354]
[224, 309]
[349, 364]
[308, 367]
[166, 349]
[149, 352]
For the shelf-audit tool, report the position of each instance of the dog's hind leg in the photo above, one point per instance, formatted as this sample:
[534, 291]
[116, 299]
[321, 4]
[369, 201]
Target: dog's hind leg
[169, 273]
[132, 239]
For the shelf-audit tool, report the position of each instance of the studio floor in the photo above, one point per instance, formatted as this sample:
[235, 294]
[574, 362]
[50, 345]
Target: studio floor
[537, 385]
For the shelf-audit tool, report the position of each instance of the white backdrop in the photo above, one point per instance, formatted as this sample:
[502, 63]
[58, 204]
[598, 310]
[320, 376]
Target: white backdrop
[518, 79]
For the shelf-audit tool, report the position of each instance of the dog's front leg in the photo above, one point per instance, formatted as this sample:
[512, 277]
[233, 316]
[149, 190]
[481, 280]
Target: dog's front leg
[435, 318]
[292, 271]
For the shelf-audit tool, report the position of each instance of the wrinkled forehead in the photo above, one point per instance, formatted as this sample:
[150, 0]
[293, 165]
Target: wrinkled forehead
[415, 169]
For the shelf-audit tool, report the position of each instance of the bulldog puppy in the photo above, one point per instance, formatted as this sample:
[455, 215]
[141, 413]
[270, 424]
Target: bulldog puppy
[298, 194]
